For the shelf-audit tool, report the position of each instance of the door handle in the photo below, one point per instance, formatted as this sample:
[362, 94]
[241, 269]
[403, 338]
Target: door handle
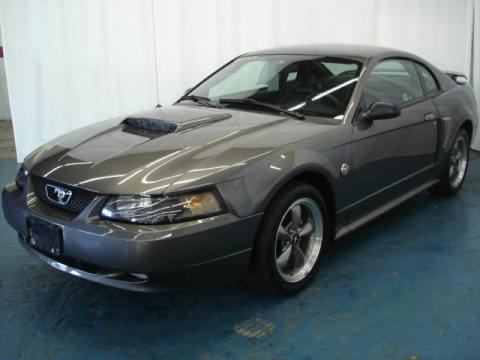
[429, 117]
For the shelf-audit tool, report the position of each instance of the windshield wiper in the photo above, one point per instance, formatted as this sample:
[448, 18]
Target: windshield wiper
[198, 99]
[264, 105]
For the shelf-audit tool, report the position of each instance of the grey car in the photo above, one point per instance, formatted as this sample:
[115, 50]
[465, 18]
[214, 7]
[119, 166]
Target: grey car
[250, 175]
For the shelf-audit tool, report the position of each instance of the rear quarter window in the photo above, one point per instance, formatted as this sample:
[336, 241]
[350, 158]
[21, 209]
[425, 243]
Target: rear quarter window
[431, 84]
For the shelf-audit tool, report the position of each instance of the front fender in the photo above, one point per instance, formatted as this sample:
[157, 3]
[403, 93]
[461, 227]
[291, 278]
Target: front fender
[252, 194]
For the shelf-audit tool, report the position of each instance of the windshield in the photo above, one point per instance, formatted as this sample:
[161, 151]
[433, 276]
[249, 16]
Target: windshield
[310, 85]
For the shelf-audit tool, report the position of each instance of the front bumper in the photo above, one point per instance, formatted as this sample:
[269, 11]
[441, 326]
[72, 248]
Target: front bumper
[205, 252]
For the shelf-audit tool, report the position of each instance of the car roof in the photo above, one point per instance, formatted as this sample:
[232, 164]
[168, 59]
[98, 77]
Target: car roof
[356, 52]
[341, 50]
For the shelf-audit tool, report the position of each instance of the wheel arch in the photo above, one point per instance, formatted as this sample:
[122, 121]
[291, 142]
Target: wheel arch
[316, 177]
[468, 126]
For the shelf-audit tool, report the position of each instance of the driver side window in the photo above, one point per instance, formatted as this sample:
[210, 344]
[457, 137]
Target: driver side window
[395, 81]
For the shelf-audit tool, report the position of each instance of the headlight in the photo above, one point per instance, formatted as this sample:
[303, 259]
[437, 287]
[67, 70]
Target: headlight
[145, 209]
[21, 178]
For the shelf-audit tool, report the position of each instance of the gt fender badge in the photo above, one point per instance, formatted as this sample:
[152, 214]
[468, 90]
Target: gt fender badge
[344, 169]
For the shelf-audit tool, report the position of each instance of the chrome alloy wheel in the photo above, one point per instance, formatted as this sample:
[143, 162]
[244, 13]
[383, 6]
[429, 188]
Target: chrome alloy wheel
[299, 240]
[457, 163]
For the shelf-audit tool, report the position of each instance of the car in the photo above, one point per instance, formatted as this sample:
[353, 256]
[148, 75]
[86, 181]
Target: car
[250, 175]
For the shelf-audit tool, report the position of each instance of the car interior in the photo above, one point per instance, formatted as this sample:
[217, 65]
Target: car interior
[300, 81]
[395, 81]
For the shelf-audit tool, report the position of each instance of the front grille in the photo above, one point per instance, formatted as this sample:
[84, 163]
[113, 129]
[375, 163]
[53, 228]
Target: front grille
[79, 200]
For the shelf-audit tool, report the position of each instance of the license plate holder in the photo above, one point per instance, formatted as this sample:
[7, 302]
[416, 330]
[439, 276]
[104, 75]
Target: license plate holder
[45, 236]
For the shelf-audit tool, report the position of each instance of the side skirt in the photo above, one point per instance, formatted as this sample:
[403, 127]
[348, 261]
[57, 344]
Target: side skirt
[354, 225]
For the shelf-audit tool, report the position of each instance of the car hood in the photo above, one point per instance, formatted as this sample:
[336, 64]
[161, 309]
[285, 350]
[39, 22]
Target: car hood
[154, 149]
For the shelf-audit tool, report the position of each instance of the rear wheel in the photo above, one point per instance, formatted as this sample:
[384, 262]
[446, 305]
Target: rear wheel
[453, 175]
[290, 241]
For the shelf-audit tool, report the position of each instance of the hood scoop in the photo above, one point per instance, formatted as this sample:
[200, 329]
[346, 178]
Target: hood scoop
[148, 127]
[157, 127]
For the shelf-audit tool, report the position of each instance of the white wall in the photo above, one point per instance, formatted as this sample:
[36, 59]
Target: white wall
[4, 104]
[74, 62]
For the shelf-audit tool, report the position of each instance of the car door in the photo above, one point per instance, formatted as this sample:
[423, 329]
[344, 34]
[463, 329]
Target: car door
[391, 156]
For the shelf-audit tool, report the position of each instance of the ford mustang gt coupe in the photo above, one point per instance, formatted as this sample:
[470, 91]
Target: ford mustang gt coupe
[251, 174]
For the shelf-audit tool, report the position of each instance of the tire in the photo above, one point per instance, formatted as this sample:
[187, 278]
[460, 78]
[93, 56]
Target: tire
[451, 182]
[273, 267]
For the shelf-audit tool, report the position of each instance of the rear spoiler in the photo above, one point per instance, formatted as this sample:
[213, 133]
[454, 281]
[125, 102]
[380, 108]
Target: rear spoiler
[459, 78]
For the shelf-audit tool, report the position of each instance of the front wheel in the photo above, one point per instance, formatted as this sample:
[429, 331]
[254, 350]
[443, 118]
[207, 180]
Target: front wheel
[453, 175]
[291, 239]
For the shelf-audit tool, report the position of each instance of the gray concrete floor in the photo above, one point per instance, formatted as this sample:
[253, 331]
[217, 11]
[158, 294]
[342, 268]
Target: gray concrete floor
[405, 287]
[7, 144]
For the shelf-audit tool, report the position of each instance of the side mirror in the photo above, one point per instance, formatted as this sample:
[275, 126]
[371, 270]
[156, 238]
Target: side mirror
[188, 90]
[380, 110]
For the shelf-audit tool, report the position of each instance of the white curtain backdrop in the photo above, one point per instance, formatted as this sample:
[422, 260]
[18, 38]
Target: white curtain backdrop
[70, 63]
[74, 62]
